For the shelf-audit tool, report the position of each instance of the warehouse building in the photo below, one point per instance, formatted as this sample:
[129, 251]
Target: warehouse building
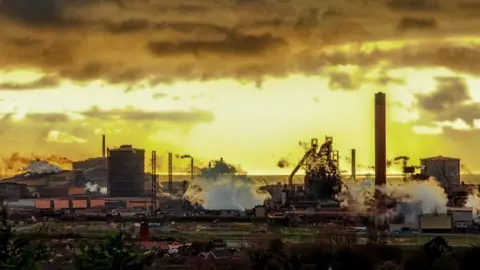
[435, 223]
[13, 191]
[462, 218]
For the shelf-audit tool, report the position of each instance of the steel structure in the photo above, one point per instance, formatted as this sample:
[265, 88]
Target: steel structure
[192, 166]
[322, 175]
[153, 203]
[408, 171]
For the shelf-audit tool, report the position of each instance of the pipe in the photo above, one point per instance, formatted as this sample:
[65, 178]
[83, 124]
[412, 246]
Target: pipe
[354, 165]
[103, 145]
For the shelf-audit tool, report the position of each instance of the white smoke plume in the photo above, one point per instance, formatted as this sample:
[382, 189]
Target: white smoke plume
[95, 188]
[41, 167]
[412, 198]
[473, 201]
[219, 187]
[228, 192]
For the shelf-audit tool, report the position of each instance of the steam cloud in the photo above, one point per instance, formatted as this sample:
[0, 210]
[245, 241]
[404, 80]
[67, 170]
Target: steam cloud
[220, 188]
[41, 167]
[473, 201]
[95, 188]
[411, 199]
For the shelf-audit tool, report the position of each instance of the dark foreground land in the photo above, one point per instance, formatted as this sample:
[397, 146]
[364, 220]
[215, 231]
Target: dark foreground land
[436, 254]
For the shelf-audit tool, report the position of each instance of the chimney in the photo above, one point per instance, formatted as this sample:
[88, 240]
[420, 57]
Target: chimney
[103, 145]
[354, 164]
[380, 150]
[380, 140]
[170, 172]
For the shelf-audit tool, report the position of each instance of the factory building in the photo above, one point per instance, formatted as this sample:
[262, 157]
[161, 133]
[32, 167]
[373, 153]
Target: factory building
[445, 169]
[126, 172]
[435, 223]
[95, 169]
[48, 185]
[13, 191]
[462, 217]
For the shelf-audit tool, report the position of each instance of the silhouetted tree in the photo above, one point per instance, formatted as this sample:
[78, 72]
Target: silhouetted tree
[305, 256]
[446, 262]
[18, 252]
[387, 265]
[469, 259]
[112, 255]
[260, 258]
[435, 248]
[416, 260]
[347, 258]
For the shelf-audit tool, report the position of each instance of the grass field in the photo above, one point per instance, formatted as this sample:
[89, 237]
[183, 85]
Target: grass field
[241, 233]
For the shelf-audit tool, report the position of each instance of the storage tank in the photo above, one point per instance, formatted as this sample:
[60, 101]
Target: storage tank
[126, 170]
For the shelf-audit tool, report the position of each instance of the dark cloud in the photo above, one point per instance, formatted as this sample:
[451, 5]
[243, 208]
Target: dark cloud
[342, 81]
[450, 93]
[450, 101]
[33, 12]
[165, 41]
[47, 82]
[234, 45]
[414, 5]
[129, 114]
[410, 23]
[463, 58]
[48, 117]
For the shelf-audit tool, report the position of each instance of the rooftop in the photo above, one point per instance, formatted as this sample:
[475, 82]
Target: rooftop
[441, 158]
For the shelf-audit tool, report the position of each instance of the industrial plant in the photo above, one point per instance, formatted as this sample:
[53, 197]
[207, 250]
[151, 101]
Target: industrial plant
[118, 184]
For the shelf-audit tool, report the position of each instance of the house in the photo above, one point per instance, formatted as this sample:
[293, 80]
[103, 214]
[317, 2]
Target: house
[217, 254]
[147, 245]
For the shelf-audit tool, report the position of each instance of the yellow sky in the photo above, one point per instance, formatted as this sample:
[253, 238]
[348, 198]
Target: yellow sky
[252, 127]
[241, 80]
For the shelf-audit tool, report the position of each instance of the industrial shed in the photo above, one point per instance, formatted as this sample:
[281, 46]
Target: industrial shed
[435, 224]
[462, 217]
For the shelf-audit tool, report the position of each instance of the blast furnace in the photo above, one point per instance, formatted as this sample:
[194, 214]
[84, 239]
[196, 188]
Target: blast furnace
[322, 176]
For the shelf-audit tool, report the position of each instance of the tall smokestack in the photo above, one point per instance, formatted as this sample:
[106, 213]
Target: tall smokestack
[103, 145]
[170, 172]
[354, 164]
[380, 140]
